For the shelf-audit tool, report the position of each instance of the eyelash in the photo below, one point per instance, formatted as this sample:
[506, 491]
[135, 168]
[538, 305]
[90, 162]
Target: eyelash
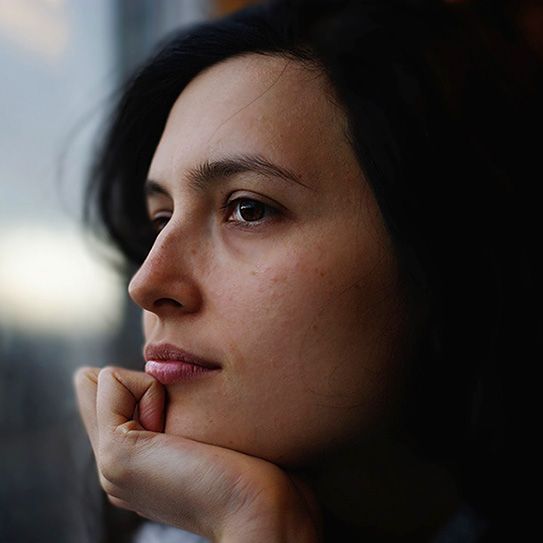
[160, 220]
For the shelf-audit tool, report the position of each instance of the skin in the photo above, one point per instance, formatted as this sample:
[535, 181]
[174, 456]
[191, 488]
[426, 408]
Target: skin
[304, 308]
[307, 303]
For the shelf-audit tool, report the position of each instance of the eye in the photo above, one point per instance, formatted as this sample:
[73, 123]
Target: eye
[159, 220]
[249, 212]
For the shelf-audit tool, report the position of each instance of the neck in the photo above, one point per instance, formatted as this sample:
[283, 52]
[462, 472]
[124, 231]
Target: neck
[385, 491]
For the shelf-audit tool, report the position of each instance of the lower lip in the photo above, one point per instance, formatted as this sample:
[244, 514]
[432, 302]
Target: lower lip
[174, 371]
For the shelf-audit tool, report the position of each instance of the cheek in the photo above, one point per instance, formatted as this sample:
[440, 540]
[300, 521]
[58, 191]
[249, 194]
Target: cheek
[307, 341]
[316, 330]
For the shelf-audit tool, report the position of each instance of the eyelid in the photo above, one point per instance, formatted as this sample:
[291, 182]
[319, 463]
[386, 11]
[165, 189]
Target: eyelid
[161, 214]
[158, 201]
[264, 200]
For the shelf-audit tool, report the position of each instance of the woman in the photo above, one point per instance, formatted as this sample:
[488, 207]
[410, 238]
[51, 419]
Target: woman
[334, 271]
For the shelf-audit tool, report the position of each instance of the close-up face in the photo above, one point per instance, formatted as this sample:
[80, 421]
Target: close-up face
[273, 262]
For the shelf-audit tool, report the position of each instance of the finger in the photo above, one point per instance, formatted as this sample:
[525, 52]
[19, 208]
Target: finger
[120, 392]
[151, 408]
[123, 436]
[86, 383]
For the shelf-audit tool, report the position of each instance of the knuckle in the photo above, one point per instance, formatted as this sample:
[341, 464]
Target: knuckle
[85, 375]
[107, 372]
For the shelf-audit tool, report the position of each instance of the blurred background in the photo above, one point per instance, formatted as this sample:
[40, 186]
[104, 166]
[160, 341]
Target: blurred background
[61, 304]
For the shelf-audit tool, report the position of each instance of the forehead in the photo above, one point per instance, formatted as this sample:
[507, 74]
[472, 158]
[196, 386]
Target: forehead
[256, 104]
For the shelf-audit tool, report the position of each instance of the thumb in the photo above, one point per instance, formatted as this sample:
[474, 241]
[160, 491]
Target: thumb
[129, 398]
[150, 410]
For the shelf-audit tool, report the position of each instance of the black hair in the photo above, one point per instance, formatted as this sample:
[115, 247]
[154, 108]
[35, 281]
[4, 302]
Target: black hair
[441, 101]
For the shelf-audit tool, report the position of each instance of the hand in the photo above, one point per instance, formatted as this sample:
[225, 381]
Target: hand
[219, 493]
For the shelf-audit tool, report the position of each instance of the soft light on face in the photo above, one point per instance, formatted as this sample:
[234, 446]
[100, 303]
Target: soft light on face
[286, 278]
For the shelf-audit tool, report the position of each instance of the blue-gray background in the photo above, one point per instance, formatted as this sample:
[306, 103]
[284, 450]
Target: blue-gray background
[61, 306]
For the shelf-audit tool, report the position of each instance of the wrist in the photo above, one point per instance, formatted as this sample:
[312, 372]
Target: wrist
[274, 523]
[279, 532]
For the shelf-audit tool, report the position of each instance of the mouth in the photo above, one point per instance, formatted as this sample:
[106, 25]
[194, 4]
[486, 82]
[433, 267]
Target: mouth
[169, 364]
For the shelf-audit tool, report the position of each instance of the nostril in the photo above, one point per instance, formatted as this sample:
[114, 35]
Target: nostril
[161, 302]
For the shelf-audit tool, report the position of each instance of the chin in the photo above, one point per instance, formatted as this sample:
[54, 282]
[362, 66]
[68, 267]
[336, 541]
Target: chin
[289, 453]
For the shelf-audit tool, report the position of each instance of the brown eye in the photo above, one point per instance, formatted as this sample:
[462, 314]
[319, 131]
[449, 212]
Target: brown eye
[250, 213]
[251, 210]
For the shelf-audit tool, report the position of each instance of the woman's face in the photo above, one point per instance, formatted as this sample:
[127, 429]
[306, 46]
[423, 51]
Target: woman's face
[272, 260]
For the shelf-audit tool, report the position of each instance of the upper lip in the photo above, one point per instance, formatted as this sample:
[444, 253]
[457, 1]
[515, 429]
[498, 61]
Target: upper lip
[166, 352]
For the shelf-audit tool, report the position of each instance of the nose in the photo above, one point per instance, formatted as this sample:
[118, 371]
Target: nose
[165, 283]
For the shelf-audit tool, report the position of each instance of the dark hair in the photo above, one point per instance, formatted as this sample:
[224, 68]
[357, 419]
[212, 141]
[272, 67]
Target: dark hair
[441, 100]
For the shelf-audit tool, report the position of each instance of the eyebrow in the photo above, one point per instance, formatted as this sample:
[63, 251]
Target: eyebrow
[201, 176]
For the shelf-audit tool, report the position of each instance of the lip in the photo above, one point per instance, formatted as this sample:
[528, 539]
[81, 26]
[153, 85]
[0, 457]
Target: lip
[169, 364]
